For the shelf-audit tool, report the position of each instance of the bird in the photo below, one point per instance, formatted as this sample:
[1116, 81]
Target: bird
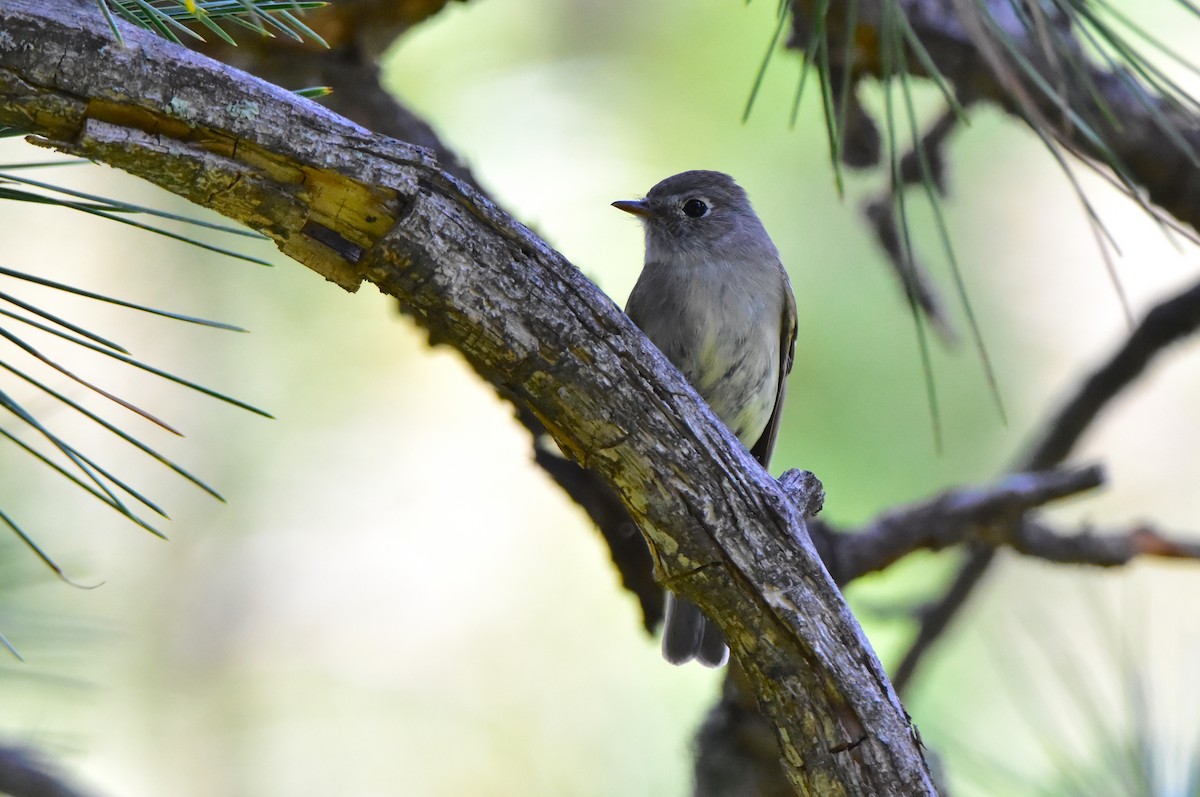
[715, 299]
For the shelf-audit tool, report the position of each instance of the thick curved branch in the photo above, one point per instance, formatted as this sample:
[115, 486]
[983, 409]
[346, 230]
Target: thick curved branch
[359, 207]
[1169, 322]
[350, 68]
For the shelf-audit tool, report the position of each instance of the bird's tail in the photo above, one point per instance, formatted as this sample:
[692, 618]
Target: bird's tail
[688, 634]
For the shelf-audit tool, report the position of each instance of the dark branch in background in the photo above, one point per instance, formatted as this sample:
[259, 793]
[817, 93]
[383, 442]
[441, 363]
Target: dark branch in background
[1108, 549]
[1034, 65]
[1035, 69]
[1064, 68]
[951, 518]
[25, 773]
[1166, 324]
[916, 282]
[923, 164]
[997, 515]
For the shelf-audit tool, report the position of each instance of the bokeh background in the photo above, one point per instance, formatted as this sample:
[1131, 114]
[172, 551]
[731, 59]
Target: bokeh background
[395, 601]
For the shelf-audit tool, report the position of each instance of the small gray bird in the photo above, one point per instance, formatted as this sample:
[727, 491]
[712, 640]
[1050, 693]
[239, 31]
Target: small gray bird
[715, 299]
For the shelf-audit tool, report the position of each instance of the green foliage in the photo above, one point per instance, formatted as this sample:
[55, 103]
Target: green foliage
[168, 17]
[1074, 70]
[18, 317]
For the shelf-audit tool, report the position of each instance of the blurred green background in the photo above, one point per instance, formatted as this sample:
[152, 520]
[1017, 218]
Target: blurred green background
[395, 601]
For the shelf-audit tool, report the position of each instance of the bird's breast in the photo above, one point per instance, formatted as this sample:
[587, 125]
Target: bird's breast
[723, 332]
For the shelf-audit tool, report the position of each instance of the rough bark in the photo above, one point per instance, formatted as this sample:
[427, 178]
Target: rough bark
[358, 207]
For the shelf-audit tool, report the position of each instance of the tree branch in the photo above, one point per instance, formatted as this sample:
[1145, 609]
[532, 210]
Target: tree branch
[24, 773]
[1034, 63]
[1110, 549]
[953, 517]
[996, 515]
[987, 52]
[1167, 323]
[359, 207]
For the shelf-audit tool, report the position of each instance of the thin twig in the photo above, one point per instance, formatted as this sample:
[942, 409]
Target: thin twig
[953, 517]
[1167, 323]
[1108, 549]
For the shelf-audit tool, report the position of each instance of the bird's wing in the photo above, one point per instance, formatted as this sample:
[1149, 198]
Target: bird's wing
[787, 353]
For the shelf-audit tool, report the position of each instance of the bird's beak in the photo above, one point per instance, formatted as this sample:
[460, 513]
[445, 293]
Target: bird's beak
[637, 207]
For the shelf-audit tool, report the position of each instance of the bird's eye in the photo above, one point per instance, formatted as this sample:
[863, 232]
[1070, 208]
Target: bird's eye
[695, 208]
